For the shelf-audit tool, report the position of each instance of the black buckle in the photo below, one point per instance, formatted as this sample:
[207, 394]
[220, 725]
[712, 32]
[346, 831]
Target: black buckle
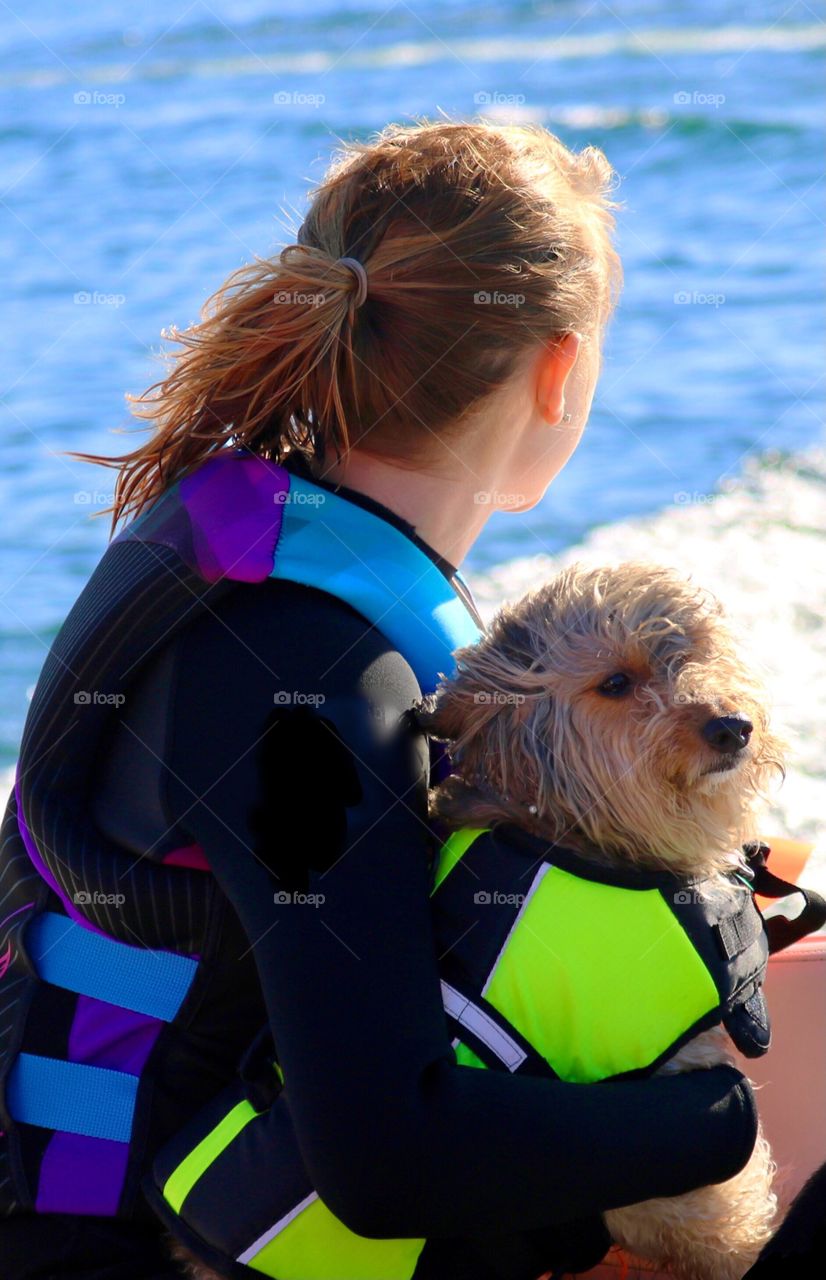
[780, 930]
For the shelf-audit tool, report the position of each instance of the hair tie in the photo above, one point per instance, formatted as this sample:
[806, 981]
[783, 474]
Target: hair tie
[360, 273]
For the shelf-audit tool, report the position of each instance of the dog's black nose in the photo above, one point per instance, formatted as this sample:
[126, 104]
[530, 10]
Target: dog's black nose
[728, 734]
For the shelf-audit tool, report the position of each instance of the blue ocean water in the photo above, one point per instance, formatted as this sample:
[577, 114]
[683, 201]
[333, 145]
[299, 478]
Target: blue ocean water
[148, 152]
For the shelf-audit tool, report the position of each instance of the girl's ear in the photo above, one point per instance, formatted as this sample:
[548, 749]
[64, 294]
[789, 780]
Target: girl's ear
[555, 366]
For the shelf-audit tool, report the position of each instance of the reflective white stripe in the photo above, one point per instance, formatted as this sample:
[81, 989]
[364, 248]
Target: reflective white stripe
[249, 1254]
[483, 1027]
[537, 880]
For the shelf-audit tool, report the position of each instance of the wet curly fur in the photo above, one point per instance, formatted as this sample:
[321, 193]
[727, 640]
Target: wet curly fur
[539, 739]
[626, 779]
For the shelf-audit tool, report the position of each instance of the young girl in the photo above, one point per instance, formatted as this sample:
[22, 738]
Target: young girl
[220, 816]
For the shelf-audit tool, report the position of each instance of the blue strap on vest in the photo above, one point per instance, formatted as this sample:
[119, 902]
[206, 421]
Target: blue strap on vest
[69, 956]
[71, 1096]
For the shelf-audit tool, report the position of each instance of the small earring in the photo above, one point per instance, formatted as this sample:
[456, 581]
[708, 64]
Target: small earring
[532, 808]
[566, 417]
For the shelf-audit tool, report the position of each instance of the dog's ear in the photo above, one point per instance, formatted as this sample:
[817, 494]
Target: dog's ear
[460, 712]
[422, 715]
[444, 714]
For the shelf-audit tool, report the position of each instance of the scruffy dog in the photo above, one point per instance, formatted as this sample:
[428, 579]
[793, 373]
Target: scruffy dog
[609, 712]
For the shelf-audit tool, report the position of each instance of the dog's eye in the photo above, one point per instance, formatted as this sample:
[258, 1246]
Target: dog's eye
[616, 685]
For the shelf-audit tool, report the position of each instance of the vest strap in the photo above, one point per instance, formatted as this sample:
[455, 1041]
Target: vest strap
[71, 1096]
[780, 930]
[737, 932]
[66, 955]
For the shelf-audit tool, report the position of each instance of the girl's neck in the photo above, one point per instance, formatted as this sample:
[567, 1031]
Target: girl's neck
[446, 512]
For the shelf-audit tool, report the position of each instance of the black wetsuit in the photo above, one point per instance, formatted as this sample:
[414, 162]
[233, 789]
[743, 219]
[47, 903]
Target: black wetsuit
[265, 733]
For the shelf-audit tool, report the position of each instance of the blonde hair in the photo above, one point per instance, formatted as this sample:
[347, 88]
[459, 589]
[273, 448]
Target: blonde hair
[479, 242]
